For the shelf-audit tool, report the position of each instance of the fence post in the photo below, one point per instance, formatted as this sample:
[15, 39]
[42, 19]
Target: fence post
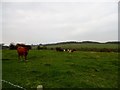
[39, 87]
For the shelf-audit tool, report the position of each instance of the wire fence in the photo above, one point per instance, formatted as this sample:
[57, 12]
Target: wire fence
[39, 87]
[17, 86]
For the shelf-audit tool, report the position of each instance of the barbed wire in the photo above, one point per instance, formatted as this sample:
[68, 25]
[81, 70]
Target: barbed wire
[13, 84]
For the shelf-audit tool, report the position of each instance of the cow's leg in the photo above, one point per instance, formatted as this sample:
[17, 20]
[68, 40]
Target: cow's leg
[25, 55]
[18, 57]
[22, 58]
[26, 58]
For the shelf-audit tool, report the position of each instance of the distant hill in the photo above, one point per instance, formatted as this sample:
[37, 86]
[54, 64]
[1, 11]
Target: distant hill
[83, 42]
[114, 42]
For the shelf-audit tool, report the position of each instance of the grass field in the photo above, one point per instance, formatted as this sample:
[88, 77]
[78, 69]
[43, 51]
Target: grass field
[61, 69]
[102, 47]
[84, 45]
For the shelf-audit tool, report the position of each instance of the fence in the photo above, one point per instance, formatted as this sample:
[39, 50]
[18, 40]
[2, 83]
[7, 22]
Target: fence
[39, 87]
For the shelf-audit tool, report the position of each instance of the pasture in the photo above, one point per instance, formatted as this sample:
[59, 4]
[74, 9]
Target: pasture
[53, 69]
[84, 45]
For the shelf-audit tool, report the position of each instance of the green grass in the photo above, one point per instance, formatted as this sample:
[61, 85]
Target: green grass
[61, 69]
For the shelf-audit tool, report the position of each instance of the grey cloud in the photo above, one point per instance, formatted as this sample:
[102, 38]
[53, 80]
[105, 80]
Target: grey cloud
[53, 22]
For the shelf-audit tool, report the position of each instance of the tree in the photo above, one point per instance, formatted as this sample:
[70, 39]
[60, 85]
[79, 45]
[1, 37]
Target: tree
[12, 46]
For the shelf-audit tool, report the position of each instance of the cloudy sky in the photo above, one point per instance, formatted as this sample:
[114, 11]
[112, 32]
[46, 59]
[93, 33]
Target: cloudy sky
[49, 22]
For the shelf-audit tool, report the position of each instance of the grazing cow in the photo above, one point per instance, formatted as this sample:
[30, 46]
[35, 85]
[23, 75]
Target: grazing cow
[71, 50]
[63, 50]
[22, 51]
[59, 49]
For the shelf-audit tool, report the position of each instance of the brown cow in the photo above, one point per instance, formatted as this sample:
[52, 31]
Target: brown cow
[22, 51]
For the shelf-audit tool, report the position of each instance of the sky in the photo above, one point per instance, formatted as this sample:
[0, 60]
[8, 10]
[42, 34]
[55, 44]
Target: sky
[51, 22]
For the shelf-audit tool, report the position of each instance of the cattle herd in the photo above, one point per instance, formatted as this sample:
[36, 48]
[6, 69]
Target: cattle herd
[23, 49]
[65, 50]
